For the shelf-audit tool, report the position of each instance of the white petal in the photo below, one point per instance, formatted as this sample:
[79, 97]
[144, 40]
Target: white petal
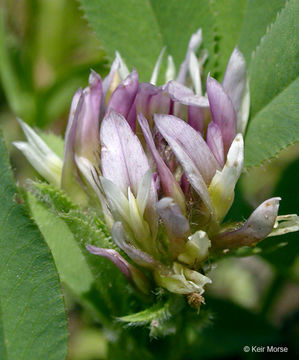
[49, 166]
[180, 279]
[244, 110]
[35, 140]
[223, 184]
[195, 41]
[193, 45]
[112, 80]
[143, 191]
[285, 224]
[170, 71]
[91, 176]
[40, 156]
[138, 225]
[156, 70]
[117, 201]
[122, 70]
[197, 249]
[195, 73]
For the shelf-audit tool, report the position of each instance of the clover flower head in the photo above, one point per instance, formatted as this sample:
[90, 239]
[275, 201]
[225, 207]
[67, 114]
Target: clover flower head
[164, 162]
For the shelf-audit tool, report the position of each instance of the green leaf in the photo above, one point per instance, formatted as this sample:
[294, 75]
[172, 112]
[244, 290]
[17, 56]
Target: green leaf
[274, 88]
[278, 122]
[32, 315]
[220, 21]
[159, 312]
[120, 24]
[110, 292]
[177, 20]
[139, 29]
[275, 63]
[156, 312]
[258, 16]
[227, 22]
[56, 99]
[19, 96]
[63, 246]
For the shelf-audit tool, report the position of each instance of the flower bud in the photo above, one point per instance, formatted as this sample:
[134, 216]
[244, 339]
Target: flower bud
[40, 156]
[196, 249]
[181, 280]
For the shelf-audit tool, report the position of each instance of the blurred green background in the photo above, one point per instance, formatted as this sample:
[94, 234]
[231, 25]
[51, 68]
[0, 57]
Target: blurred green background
[46, 52]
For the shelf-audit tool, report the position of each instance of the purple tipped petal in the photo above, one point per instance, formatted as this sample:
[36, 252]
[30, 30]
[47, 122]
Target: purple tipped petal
[222, 111]
[170, 186]
[122, 158]
[124, 162]
[70, 133]
[146, 93]
[176, 225]
[87, 133]
[184, 95]
[69, 170]
[138, 256]
[256, 228]
[122, 99]
[151, 100]
[131, 118]
[196, 118]
[136, 277]
[191, 151]
[234, 81]
[215, 142]
[94, 94]
[82, 133]
[113, 256]
[179, 134]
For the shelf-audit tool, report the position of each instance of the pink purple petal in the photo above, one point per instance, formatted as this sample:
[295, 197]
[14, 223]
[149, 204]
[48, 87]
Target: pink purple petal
[234, 81]
[169, 184]
[122, 157]
[176, 225]
[222, 110]
[123, 97]
[215, 142]
[191, 151]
